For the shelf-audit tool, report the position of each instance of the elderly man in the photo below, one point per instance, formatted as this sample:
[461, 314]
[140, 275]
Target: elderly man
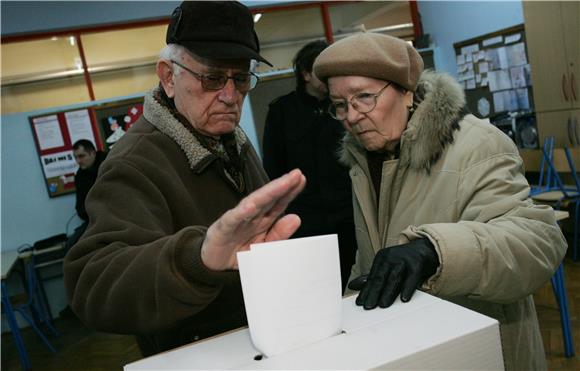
[181, 193]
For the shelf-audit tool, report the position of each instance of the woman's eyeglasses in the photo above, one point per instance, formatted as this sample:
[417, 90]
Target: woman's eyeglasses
[361, 102]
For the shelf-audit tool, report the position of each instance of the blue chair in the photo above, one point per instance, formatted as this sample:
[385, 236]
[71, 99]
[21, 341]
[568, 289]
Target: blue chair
[547, 181]
[576, 217]
[34, 310]
[559, 286]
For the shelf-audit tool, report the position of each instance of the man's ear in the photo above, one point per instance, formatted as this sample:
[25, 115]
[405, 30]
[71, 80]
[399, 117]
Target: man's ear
[164, 71]
[307, 76]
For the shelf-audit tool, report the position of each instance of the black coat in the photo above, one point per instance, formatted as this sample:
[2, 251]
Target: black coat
[299, 133]
[84, 180]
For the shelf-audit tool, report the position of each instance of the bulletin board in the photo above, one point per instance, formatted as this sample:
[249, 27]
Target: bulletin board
[495, 72]
[54, 135]
[114, 119]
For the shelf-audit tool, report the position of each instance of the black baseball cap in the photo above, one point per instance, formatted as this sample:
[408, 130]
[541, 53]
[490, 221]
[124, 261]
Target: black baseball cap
[215, 30]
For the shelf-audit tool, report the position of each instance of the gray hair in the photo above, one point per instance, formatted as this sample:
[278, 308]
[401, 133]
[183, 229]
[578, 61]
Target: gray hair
[173, 52]
[176, 52]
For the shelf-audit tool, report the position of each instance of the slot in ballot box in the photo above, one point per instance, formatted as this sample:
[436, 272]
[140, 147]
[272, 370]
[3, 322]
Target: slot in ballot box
[425, 333]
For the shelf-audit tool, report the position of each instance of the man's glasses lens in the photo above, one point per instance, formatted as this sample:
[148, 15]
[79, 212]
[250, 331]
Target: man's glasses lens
[243, 81]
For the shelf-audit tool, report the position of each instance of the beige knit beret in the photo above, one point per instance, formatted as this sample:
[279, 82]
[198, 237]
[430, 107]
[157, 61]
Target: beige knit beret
[373, 55]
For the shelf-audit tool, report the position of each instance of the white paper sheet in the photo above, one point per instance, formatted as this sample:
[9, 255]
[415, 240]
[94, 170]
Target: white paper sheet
[48, 132]
[497, 58]
[292, 292]
[79, 126]
[57, 164]
[492, 41]
[499, 80]
[516, 55]
[513, 38]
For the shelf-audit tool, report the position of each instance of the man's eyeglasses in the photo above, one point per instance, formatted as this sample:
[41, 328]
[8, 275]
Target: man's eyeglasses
[243, 81]
[361, 102]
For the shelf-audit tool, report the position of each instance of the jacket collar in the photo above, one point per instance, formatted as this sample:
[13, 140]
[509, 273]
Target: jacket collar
[431, 127]
[197, 155]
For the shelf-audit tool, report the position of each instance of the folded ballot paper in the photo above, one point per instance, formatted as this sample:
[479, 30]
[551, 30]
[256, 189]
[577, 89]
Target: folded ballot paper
[292, 292]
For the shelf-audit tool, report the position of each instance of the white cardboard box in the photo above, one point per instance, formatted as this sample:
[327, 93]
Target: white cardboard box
[425, 333]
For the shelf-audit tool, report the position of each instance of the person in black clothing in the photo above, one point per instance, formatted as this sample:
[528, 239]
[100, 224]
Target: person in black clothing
[89, 160]
[299, 133]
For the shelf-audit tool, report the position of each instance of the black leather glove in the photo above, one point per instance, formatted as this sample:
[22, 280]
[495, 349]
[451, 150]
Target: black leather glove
[396, 270]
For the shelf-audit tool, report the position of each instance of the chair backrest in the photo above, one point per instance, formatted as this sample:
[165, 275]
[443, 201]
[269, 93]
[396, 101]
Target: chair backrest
[546, 180]
[558, 182]
[50, 241]
[572, 169]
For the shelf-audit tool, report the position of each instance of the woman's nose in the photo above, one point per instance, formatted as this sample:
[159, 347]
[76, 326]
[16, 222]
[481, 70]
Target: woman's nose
[352, 116]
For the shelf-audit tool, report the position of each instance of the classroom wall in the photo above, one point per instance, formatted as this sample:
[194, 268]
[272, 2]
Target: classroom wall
[449, 22]
[36, 16]
[28, 213]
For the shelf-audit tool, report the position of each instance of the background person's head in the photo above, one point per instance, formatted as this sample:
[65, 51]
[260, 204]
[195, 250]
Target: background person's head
[205, 67]
[371, 80]
[85, 153]
[303, 62]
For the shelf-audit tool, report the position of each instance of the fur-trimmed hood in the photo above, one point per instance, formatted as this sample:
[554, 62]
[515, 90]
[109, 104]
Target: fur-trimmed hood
[160, 117]
[441, 106]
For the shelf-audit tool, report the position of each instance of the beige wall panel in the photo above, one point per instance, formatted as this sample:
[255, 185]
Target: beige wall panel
[115, 47]
[29, 97]
[124, 82]
[375, 14]
[39, 56]
[281, 57]
[289, 25]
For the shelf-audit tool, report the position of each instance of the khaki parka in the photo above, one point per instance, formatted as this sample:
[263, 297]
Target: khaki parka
[459, 181]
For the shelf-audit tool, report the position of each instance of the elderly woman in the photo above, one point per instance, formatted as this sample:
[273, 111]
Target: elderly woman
[440, 198]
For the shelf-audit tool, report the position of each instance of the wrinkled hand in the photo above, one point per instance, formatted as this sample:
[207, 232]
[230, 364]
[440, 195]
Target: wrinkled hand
[396, 270]
[255, 219]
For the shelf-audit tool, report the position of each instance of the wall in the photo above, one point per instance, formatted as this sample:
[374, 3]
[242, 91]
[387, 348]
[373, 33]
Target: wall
[28, 214]
[451, 21]
[36, 16]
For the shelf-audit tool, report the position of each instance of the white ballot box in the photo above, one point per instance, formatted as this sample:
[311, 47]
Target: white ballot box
[425, 333]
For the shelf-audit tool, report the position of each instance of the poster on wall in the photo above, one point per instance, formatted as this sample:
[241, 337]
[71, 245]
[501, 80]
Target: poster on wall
[60, 169]
[114, 119]
[48, 132]
[79, 126]
[54, 136]
[58, 164]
